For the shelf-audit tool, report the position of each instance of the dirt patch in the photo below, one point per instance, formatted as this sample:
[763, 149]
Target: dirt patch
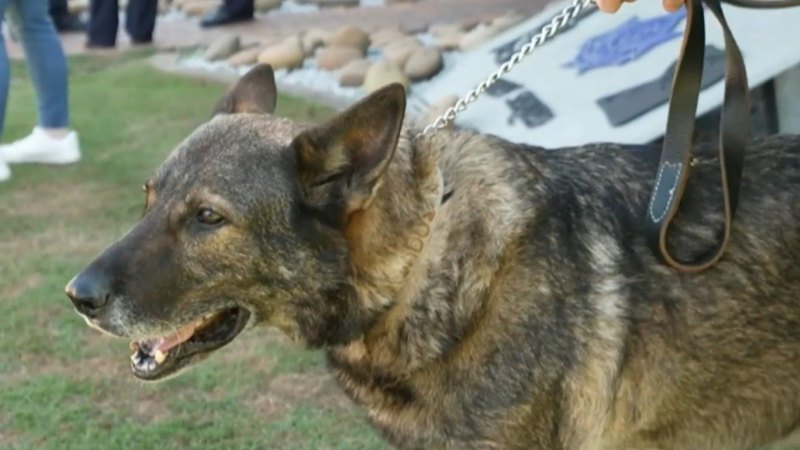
[144, 406]
[100, 367]
[7, 437]
[18, 287]
[111, 359]
[67, 200]
[64, 209]
[95, 369]
[57, 240]
[246, 347]
[151, 410]
[287, 391]
[248, 350]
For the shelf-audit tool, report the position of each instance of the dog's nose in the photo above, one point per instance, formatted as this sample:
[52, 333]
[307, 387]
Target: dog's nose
[89, 293]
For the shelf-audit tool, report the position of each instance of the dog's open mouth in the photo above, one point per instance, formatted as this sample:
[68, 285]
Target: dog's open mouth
[156, 358]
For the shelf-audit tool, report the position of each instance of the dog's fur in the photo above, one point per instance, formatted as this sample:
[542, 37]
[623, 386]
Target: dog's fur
[473, 293]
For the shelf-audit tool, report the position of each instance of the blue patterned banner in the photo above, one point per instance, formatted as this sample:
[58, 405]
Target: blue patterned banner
[627, 42]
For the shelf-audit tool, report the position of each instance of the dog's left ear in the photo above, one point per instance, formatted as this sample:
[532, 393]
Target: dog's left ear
[255, 92]
[340, 163]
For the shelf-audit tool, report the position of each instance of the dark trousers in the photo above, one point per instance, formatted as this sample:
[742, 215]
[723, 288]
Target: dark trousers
[140, 20]
[58, 8]
[239, 8]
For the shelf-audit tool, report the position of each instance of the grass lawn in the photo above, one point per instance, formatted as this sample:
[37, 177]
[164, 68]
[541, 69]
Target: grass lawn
[64, 386]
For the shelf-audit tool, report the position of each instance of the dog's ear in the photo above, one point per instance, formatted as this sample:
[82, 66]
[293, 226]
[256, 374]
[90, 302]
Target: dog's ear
[255, 92]
[340, 163]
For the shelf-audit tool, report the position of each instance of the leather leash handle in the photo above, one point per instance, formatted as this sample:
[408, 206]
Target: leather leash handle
[676, 155]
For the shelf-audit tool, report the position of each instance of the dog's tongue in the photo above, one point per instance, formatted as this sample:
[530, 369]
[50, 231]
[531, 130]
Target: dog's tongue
[180, 336]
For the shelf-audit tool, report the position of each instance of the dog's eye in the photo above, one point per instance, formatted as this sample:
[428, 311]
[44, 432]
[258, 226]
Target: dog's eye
[209, 217]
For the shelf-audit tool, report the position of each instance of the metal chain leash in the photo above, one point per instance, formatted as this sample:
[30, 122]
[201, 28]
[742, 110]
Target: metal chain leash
[556, 25]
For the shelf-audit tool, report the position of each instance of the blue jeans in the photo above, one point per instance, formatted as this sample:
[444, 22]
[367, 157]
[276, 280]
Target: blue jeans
[45, 57]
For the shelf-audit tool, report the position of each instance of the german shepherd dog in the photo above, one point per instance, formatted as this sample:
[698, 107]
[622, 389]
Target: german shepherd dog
[471, 293]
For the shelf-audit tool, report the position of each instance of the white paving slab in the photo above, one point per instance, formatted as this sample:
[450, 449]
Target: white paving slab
[767, 39]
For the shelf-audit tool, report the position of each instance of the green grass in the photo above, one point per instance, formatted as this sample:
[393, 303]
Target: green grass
[62, 385]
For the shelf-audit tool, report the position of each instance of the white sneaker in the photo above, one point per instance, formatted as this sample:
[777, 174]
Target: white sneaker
[38, 147]
[5, 172]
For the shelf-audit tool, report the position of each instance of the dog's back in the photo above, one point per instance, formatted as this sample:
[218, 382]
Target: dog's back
[542, 320]
[708, 360]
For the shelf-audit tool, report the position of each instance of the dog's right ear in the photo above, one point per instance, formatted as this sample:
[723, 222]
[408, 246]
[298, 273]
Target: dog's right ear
[255, 92]
[340, 163]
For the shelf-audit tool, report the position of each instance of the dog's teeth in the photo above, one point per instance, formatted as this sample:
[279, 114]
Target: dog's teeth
[159, 356]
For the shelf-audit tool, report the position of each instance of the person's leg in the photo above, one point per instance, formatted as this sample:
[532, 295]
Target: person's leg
[140, 20]
[45, 58]
[63, 19]
[4, 82]
[58, 8]
[52, 141]
[229, 12]
[103, 23]
[240, 8]
[5, 69]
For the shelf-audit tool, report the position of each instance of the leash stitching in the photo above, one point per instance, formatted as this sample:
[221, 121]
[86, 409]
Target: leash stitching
[659, 179]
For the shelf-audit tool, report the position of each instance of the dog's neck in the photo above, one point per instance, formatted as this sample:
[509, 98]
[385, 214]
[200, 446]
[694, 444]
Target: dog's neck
[395, 246]
[422, 269]
[387, 242]
[387, 239]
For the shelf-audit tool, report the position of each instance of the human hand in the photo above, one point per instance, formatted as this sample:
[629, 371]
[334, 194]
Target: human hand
[612, 6]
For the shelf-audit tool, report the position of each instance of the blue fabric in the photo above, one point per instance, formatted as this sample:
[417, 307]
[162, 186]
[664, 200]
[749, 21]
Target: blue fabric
[627, 42]
[45, 58]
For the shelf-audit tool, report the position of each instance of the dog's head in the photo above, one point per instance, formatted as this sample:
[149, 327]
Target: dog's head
[245, 222]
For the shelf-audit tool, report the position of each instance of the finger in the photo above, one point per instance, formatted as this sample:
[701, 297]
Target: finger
[609, 6]
[673, 5]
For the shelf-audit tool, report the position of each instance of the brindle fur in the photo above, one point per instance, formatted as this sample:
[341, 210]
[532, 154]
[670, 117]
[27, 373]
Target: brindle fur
[524, 312]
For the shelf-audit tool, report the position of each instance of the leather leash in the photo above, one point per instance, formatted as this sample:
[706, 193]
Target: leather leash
[676, 154]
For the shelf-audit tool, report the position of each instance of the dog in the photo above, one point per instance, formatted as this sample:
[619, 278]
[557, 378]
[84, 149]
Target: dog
[470, 293]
